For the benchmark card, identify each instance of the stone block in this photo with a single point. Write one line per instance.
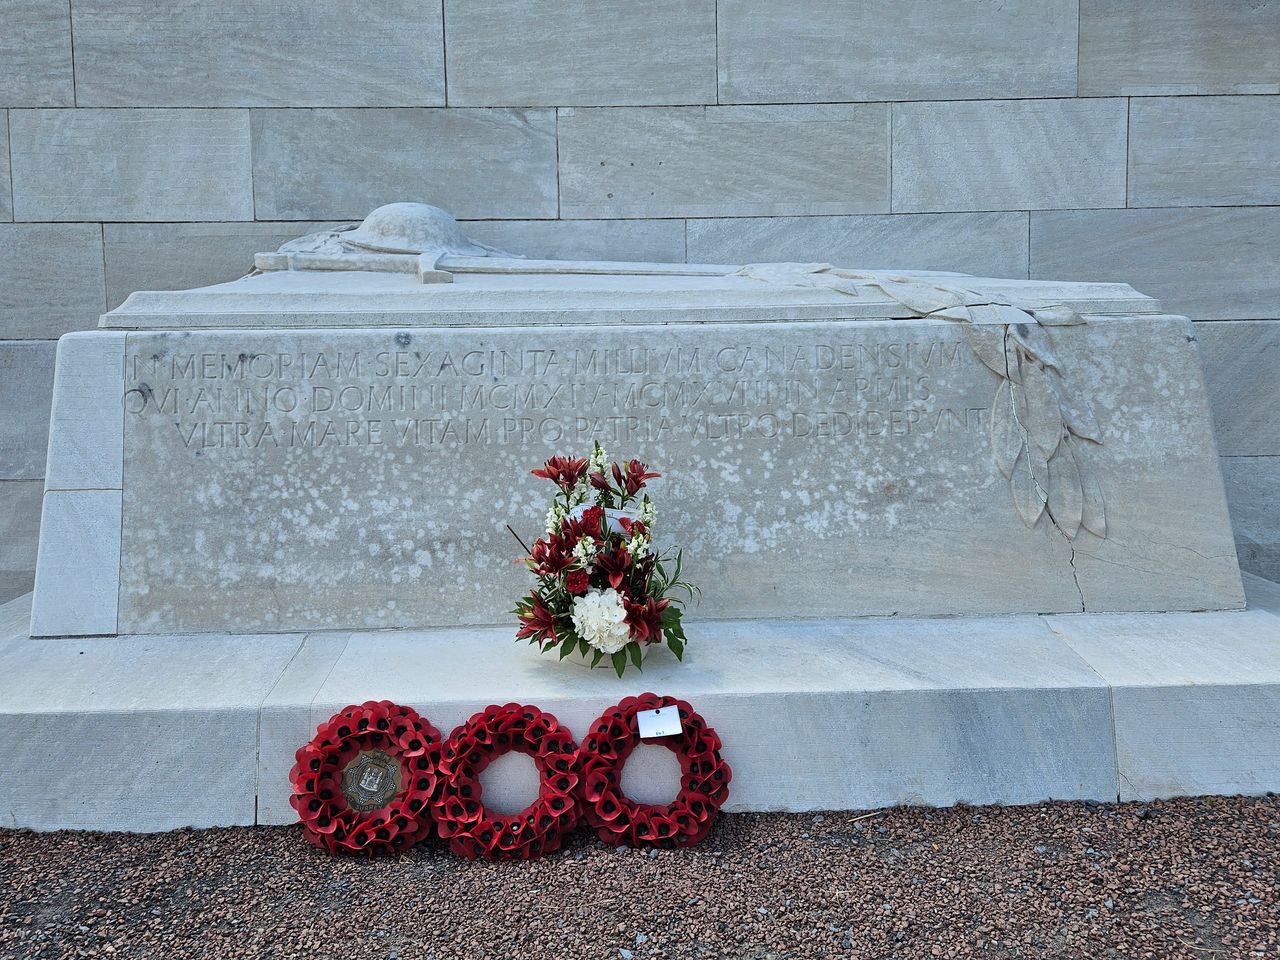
(649, 241)
(6, 186)
(986, 244)
(177, 256)
(1204, 151)
(285, 721)
(974, 711)
(1210, 264)
(1008, 155)
(1241, 363)
(318, 164)
(317, 54)
(558, 53)
(131, 164)
(724, 161)
(26, 386)
(19, 535)
(351, 436)
(820, 50)
(1178, 47)
(78, 566)
(168, 725)
(1194, 696)
(51, 275)
(87, 420)
(35, 48)
(1253, 497)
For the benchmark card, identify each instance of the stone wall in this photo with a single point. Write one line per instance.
(159, 146)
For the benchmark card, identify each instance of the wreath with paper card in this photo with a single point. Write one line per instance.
(704, 780)
(364, 783)
(461, 816)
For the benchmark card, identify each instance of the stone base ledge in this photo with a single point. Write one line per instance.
(161, 732)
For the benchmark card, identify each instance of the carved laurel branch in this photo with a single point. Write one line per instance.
(1039, 425)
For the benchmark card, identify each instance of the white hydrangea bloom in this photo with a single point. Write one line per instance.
(600, 619)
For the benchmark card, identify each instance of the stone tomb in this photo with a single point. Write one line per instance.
(343, 448)
(960, 539)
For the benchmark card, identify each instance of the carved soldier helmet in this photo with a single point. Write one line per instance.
(411, 228)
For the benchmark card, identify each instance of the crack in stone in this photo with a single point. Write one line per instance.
(1044, 494)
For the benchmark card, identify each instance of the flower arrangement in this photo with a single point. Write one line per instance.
(601, 590)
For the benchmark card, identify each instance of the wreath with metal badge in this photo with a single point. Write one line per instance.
(704, 781)
(365, 781)
(474, 831)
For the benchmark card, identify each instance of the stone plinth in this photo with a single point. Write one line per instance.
(343, 450)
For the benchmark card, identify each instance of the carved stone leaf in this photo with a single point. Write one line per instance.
(921, 297)
(1011, 314)
(1044, 416)
(1006, 434)
(1077, 413)
(953, 313)
(1027, 495)
(1066, 497)
(1039, 465)
(985, 313)
(1057, 316)
(987, 343)
(1012, 359)
(1036, 341)
(1093, 512)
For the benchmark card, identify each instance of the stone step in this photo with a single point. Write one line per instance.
(160, 732)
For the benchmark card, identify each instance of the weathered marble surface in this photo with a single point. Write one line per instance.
(51, 275)
(164, 164)
(35, 48)
(1178, 48)
(26, 371)
(1204, 151)
(178, 256)
(6, 187)
(77, 567)
(1253, 497)
(807, 50)
(19, 534)
(581, 52)
(1008, 155)
(1188, 718)
(734, 161)
(362, 505)
(322, 53)
(87, 422)
(995, 244)
(314, 164)
(1210, 264)
(150, 716)
(1241, 363)
(994, 710)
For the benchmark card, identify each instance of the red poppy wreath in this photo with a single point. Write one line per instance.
(461, 817)
(365, 782)
(704, 781)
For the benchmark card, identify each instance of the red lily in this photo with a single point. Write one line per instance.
(565, 472)
(636, 476)
(645, 619)
(550, 555)
(613, 565)
(537, 621)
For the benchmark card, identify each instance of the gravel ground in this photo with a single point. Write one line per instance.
(1196, 878)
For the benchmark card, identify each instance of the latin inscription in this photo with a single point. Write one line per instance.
(354, 397)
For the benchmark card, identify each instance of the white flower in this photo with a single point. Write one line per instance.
(599, 459)
(585, 550)
(647, 513)
(600, 619)
(638, 546)
(554, 517)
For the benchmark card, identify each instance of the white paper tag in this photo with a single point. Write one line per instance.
(663, 722)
